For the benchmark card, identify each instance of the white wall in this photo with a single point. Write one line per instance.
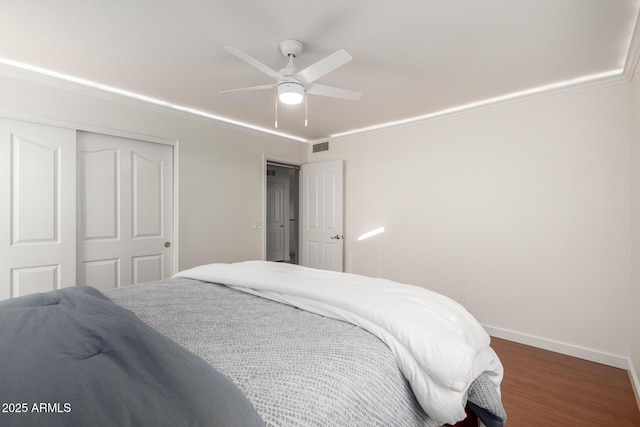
(220, 168)
(524, 206)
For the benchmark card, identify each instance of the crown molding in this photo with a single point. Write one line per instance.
(48, 78)
(609, 78)
(633, 52)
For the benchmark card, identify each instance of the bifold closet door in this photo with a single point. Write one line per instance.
(37, 208)
(125, 211)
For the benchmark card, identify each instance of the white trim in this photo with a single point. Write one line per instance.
(84, 127)
(266, 158)
(176, 208)
(560, 347)
(263, 203)
(633, 52)
(635, 382)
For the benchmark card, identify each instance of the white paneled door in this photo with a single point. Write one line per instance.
(37, 208)
(321, 191)
(125, 211)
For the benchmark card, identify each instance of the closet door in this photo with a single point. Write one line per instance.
(37, 208)
(125, 216)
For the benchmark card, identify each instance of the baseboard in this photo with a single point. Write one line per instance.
(635, 382)
(563, 348)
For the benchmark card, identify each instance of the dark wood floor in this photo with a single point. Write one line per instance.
(543, 388)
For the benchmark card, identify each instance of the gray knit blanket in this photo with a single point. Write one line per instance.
(296, 367)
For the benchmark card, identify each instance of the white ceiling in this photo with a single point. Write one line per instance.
(411, 57)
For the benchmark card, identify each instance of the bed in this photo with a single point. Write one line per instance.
(253, 343)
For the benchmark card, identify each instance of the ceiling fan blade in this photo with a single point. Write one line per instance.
(324, 66)
(333, 92)
(254, 62)
(251, 88)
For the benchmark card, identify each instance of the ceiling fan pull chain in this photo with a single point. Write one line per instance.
(305, 110)
(276, 111)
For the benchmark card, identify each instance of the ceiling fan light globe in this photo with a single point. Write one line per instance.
(290, 98)
(290, 93)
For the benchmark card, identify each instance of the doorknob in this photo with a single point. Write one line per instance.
(167, 244)
(337, 236)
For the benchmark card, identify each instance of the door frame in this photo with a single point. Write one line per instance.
(263, 220)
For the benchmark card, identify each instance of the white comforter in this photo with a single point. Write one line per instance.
(439, 346)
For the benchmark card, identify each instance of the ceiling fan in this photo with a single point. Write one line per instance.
(292, 84)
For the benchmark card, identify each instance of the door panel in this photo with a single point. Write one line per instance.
(100, 194)
(147, 195)
(101, 274)
(147, 268)
(28, 280)
(37, 208)
(322, 243)
(126, 210)
(34, 183)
